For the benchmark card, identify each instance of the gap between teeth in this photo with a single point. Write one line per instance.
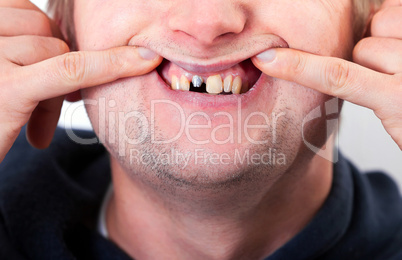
(214, 85)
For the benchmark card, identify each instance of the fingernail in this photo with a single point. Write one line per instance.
(146, 54)
(267, 56)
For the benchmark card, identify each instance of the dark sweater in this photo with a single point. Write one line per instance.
(50, 200)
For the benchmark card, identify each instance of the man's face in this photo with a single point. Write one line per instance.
(150, 128)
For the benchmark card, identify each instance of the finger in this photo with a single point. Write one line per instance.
(21, 4)
(73, 71)
(390, 3)
(380, 54)
(332, 76)
(27, 49)
(8, 137)
(387, 23)
(15, 22)
(27, 5)
(43, 122)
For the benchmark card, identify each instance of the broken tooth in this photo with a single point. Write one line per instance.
(184, 83)
(214, 84)
(227, 84)
(197, 81)
(175, 83)
(236, 87)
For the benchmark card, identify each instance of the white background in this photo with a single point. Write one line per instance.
(362, 138)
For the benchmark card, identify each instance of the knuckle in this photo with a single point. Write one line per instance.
(357, 50)
(51, 45)
(378, 22)
(363, 47)
(40, 23)
(55, 45)
(114, 59)
(12, 3)
(299, 64)
(36, 42)
(362, 44)
(337, 77)
(72, 67)
(61, 45)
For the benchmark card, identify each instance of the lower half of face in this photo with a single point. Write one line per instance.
(207, 116)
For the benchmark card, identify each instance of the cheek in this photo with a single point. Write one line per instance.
(108, 105)
(124, 110)
(320, 27)
(330, 34)
(98, 27)
(306, 111)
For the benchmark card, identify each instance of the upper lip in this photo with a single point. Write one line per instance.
(204, 66)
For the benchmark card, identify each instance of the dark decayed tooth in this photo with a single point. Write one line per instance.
(202, 89)
(197, 81)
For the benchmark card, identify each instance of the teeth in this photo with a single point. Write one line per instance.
(197, 81)
(237, 83)
(184, 83)
(214, 84)
(175, 83)
(227, 84)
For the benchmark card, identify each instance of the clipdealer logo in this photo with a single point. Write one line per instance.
(202, 157)
(331, 113)
(238, 127)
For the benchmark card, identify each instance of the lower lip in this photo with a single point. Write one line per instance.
(205, 102)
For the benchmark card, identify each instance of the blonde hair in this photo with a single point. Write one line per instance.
(363, 9)
(62, 13)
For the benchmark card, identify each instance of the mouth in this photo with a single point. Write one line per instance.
(229, 79)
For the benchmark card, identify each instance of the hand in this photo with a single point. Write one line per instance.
(376, 83)
(37, 70)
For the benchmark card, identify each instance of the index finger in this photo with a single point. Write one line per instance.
(73, 71)
(22, 4)
(25, 4)
(332, 76)
(390, 3)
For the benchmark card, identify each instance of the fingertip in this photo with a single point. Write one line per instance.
(63, 46)
(267, 56)
(43, 123)
(260, 65)
(149, 56)
(138, 60)
(157, 61)
(360, 49)
(149, 60)
(269, 61)
(36, 138)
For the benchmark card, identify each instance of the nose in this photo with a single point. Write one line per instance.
(207, 20)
